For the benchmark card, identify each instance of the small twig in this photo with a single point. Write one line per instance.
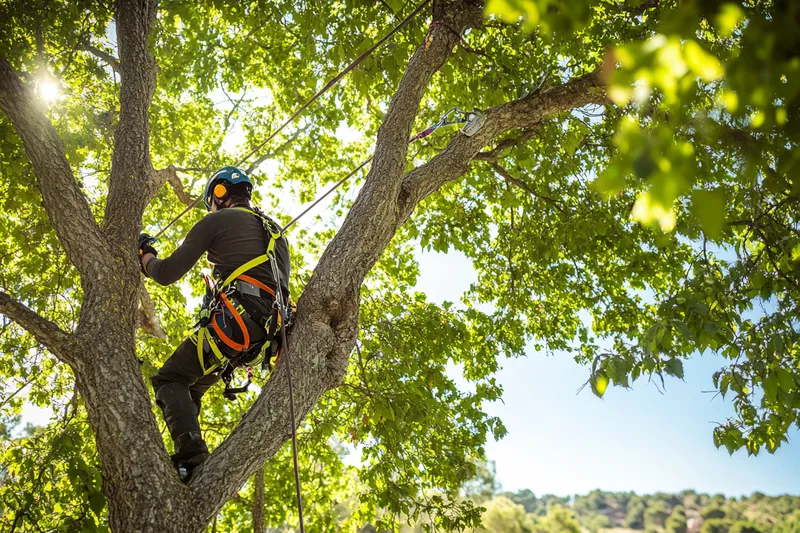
(279, 150)
(506, 144)
(112, 61)
(524, 186)
(16, 392)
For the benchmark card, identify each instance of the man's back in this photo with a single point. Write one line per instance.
(232, 237)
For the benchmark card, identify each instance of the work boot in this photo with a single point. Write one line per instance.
(190, 452)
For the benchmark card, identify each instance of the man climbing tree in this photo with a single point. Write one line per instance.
(237, 323)
(629, 198)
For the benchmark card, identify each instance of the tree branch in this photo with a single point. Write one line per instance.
(526, 112)
(525, 187)
(133, 180)
(279, 150)
(369, 226)
(112, 61)
(44, 331)
(258, 502)
(64, 202)
(506, 144)
(147, 319)
(170, 175)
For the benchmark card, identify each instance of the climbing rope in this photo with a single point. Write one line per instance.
(310, 101)
(285, 349)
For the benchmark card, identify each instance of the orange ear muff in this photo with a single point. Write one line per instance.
(220, 190)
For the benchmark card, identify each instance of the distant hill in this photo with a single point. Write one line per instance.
(627, 512)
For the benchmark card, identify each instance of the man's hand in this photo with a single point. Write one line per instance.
(146, 251)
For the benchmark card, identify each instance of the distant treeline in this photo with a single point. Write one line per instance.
(685, 512)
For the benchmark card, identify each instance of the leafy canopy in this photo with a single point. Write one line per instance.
(630, 236)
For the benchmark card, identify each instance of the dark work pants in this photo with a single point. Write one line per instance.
(179, 387)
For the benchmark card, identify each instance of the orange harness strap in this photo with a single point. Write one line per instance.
(224, 338)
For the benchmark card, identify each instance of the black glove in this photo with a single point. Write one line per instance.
(145, 247)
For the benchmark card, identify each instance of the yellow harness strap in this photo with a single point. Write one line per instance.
(274, 236)
(202, 334)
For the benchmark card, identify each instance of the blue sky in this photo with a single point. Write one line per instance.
(565, 443)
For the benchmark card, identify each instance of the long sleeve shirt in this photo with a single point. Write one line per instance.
(231, 238)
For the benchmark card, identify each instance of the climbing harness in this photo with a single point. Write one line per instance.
(223, 334)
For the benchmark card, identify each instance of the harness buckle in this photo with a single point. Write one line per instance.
(227, 376)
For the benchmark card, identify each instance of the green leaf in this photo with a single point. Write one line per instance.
(682, 328)
(770, 385)
(97, 501)
(599, 383)
(395, 5)
(709, 208)
(511, 11)
(729, 16)
(674, 367)
(650, 209)
(703, 64)
(785, 380)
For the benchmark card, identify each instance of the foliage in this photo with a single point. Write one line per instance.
(676, 522)
(558, 520)
(669, 219)
(502, 515)
(716, 525)
(655, 514)
(634, 518)
(717, 514)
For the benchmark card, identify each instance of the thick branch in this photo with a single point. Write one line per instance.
(132, 177)
(112, 61)
(526, 112)
(170, 175)
(44, 331)
(369, 225)
(64, 202)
